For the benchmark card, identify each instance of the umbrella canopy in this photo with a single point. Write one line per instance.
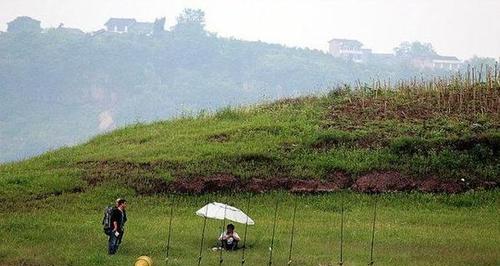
(223, 211)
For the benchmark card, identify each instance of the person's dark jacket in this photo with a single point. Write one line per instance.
(119, 217)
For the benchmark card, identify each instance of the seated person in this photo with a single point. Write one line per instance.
(229, 239)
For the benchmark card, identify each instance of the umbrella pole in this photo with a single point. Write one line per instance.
(222, 246)
(373, 230)
(245, 235)
(274, 229)
(293, 231)
(170, 227)
(341, 262)
(203, 235)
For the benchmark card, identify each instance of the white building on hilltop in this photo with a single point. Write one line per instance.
(119, 25)
(446, 62)
(348, 49)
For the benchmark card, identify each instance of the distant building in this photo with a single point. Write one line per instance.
(437, 62)
(353, 50)
(446, 62)
(349, 49)
(119, 25)
(130, 25)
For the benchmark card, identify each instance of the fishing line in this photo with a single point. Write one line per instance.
(293, 231)
(341, 262)
(373, 230)
(172, 201)
(245, 234)
(272, 239)
(203, 234)
(221, 243)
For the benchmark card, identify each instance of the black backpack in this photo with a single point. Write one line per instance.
(106, 220)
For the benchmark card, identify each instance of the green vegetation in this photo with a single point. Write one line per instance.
(416, 229)
(51, 205)
(56, 83)
(447, 132)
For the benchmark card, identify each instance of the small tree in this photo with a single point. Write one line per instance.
(190, 21)
(24, 25)
(477, 62)
(415, 49)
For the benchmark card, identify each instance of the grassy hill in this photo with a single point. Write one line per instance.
(416, 136)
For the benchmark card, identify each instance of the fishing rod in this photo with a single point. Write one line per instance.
(274, 229)
(221, 243)
(172, 201)
(245, 234)
(373, 230)
(293, 231)
(341, 262)
(203, 234)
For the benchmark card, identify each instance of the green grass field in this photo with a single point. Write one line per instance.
(411, 229)
(51, 205)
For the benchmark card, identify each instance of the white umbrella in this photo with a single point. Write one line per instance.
(220, 211)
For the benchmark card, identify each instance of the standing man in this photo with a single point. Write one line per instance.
(118, 219)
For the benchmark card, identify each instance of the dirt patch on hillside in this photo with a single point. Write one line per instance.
(143, 179)
(227, 182)
(435, 185)
(390, 181)
(373, 182)
(342, 179)
(377, 182)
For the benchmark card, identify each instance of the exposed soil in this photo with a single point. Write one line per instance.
(142, 178)
(435, 185)
(373, 182)
(199, 185)
(341, 179)
(377, 182)
(226, 182)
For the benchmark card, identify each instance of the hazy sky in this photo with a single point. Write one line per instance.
(455, 27)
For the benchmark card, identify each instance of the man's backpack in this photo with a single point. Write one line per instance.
(106, 220)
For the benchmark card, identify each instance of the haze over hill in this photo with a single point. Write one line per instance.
(61, 85)
(455, 27)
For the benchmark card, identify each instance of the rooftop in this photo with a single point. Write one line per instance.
(120, 21)
(443, 57)
(346, 41)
